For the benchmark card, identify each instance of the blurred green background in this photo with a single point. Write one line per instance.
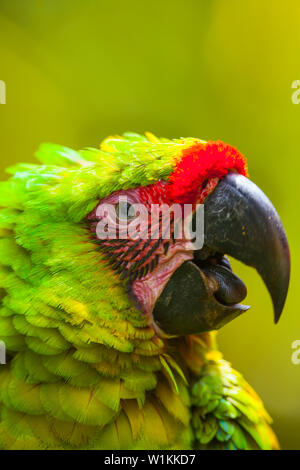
(77, 71)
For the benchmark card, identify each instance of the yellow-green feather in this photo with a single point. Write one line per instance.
(85, 368)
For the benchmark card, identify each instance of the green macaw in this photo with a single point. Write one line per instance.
(110, 342)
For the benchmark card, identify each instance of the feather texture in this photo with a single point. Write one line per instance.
(88, 371)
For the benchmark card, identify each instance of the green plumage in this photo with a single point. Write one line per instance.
(86, 370)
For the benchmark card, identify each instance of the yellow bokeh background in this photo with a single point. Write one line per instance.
(77, 71)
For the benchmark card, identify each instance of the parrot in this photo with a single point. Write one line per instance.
(111, 341)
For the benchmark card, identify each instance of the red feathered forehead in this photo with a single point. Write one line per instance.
(199, 168)
(196, 174)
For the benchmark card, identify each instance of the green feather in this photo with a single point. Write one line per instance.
(81, 405)
(88, 370)
(51, 154)
(24, 397)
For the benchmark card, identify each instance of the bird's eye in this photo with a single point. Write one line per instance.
(124, 211)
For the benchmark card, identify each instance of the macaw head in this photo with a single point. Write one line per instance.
(179, 284)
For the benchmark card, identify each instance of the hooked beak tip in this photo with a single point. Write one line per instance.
(235, 204)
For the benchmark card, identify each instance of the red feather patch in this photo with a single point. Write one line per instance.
(199, 169)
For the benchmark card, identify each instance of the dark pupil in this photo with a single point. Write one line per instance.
(122, 210)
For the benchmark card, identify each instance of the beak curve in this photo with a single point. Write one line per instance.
(239, 221)
(242, 222)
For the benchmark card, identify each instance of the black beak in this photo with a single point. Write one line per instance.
(204, 294)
